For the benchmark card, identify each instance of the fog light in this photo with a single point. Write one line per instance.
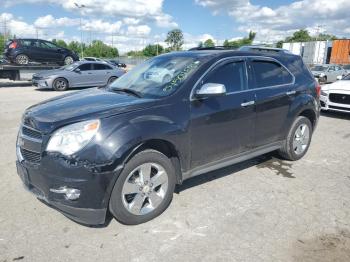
(69, 193)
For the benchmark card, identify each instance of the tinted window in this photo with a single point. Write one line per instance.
(101, 67)
(85, 67)
(269, 73)
(48, 45)
(27, 43)
(231, 75)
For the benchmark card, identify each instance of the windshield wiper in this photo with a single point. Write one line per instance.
(128, 91)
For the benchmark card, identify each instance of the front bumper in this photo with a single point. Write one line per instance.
(42, 83)
(327, 105)
(52, 173)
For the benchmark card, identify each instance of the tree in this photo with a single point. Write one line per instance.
(175, 39)
(2, 43)
(325, 37)
(241, 42)
(209, 43)
(301, 35)
(152, 50)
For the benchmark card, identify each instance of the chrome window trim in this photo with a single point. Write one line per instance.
(242, 58)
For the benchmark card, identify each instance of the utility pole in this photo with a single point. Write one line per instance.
(81, 30)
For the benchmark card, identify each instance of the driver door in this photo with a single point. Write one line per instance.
(84, 76)
(222, 126)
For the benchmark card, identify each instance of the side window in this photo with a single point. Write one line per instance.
(27, 43)
(232, 75)
(101, 67)
(270, 73)
(85, 67)
(47, 45)
(331, 69)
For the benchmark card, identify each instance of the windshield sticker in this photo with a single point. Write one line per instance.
(180, 77)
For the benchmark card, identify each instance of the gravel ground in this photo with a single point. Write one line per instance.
(264, 209)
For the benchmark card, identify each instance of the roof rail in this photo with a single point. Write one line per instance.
(218, 47)
(263, 49)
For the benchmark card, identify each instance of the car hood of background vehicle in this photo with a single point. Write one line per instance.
(338, 85)
(82, 105)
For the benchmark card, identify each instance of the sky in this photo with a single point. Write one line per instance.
(132, 24)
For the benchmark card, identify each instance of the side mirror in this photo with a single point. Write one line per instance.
(77, 70)
(211, 89)
(339, 77)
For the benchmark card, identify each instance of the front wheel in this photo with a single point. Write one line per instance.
(60, 84)
(111, 80)
(144, 189)
(298, 139)
(68, 60)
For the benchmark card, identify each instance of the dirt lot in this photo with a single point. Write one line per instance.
(260, 210)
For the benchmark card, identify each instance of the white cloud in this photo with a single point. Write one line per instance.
(18, 27)
(102, 26)
(145, 10)
(49, 21)
(131, 21)
(140, 30)
(276, 23)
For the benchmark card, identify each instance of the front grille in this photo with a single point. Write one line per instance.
(30, 156)
(339, 108)
(29, 143)
(340, 98)
(30, 132)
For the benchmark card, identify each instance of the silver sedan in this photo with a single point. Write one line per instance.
(79, 74)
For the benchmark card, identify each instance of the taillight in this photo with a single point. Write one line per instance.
(13, 45)
(318, 89)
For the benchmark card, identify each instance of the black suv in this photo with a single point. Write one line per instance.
(123, 148)
(23, 51)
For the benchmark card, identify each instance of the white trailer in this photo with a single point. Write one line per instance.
(316, 52)
(295, 48)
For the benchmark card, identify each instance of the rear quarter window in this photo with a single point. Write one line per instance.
(270, 73)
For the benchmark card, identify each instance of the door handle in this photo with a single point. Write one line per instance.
(291, 93)
(250, 103)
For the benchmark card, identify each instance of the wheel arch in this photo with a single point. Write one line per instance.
(163, 146)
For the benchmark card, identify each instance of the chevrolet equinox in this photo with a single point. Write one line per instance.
(123, 148)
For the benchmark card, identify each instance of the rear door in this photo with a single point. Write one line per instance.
(275, 92)
(223, 126)
(102, 73)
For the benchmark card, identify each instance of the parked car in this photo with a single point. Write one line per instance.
(123, 148)
(116, 63)
(24, 51)
(79, 74)
(161, 74)
(336, 96)
(327, 73)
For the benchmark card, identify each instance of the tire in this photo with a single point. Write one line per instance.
(146, 201)
(297, 144)
(68, 60)
(60, 84)
(22, 59)
(323, 80)
(111, 80)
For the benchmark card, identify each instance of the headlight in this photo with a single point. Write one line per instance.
(323, 93)
(70, 139)
(322, 74)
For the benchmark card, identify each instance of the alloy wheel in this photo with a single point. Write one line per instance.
(60, 84)
(301, 139)
(68, 60)
(145, 188)
(22, 59)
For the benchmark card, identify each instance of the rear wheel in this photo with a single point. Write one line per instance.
(22, 59)
(144, 189)
(298, 139)
(111, 80)
(60, 84)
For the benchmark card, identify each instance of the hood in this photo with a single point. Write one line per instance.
(317, 72)
(343, 85)
(82, 105)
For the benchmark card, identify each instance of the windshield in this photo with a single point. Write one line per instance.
(346, 67)
(319, 68)
(158, 77)
(69, 67)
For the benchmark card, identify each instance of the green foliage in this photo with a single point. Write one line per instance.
(324, 37)
(135, 53)
(241, 42)
(152, 50)
(74, 46)
(60, 43)
(301, 35)
(209, 43)
(2, 44)
(99, 49)
(175, 39)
